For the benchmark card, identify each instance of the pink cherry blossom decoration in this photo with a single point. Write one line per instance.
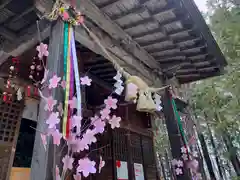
(115, 122)
(111, 103)
(89, 137)
(179, 163)
(105, 113)
(95, 118)
(80, 145)
(50, 103)
(76, 121)
(67, 162)
(53, 82)
(99, 126)
(42, 50)
(57, 136)
(178, 171)
(86, 166)
(86, 81)
(53, 120)
(185, 157)
(101, 164)
(183, 150)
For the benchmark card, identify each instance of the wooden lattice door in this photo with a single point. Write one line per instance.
(10, 120)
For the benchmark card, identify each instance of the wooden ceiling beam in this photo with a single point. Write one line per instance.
(20, 15)
(197, 18)
(4, 3)
(136, 10)
(8, 34)
(117, 33)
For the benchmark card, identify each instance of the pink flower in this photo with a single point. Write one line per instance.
(45, 76)
(95, 118)
(179, 163)
(73, 103)
(86, 81)
(81, 145)
(111, 103)
(77, 177)
(76, 121)
(185, 157)
(115, 122)
(50, 104)
(67, 162)
(183, 150)
(53, 120)
(101, 164)
(65, 16)
(86, 166)
(89, 137)
(57, 136)
(99, 126)
(44, 140)
(42, 50)
(53, 82)
(178, 171)
(193, 165)
(105, 113)
(63, 84)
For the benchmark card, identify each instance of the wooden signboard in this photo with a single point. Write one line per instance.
(20, 174)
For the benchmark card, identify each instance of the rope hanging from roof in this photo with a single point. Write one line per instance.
(137, 90)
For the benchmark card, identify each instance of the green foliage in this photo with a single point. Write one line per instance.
(219, 95)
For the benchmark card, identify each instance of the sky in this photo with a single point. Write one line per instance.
(201, 5)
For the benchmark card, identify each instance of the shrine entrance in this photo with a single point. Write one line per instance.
(10, 120)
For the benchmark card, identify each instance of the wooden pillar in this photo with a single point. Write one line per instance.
(43, 165)
(173, 132)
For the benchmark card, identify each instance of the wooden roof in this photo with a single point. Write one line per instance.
(172, 32)
(165, 35)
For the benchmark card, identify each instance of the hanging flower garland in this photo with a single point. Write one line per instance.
(77, 135)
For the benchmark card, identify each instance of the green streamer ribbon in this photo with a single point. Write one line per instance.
(179, 121)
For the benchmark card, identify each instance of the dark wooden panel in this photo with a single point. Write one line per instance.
(149, 158)
(10, 120)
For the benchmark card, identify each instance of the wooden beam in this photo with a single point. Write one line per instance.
(99, 66)
(20, 15)
(23, 43)
(155, 41)
(8, 34)
(4, 3)
(121, 56)
(136, 10)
